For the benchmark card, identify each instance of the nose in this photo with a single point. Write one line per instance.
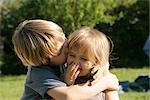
(76, 62)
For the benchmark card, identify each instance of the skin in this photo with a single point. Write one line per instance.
(81, 61)
(61, 58)
(80, 65)
(82, 91)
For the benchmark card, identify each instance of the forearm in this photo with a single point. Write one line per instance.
(58, 93)
(85, 92)
(112, 95)
(78, 92)
(74, 92)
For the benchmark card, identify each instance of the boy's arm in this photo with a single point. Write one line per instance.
(111, 95)
(77, 92)
(74, 92)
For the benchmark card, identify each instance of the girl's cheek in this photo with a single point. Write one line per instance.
(84, 65)
(87, 65)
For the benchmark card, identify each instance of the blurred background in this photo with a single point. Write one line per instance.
(126, 22)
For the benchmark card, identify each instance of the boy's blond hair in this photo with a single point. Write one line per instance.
(36, 41)
(91, 42)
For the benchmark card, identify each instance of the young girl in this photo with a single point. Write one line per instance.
(87, 48)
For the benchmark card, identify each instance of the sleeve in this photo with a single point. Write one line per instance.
(44, 79)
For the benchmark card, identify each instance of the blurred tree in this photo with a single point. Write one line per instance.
(9, 63)
(129, 35)
(69, 14)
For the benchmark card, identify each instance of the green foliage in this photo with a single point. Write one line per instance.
(12, 65)
(69, 14)
(129, 35)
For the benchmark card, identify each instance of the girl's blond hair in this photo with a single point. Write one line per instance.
(36, 41)
(93, 43)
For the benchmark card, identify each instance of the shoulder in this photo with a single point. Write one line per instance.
(41, 69)
(42, 72)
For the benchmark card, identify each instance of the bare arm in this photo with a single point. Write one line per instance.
(74, 92)
(77, 92)
(111, 95)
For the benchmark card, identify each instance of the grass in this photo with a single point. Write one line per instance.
(130, 75)
(11, 87)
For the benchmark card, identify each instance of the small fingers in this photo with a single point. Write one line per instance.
(98, 74)
(71, 68)
(75, 72)
(94, 70)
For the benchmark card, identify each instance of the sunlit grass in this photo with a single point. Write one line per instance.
(135, 96)
(11, 87)
(129, 74)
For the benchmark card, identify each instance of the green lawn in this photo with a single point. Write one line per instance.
(11, 87)
(130, 75)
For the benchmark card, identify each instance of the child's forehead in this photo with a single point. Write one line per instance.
(77, 50)
(80, 46)
(74, 49)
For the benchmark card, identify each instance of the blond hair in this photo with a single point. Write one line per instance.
(36, 41)
(93, 43)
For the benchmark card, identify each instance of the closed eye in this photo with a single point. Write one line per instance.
(71, 55)
(85, 59)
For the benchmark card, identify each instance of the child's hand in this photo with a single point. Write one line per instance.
(71, 74)
(98, 72)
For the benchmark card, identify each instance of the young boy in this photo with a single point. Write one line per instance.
(87, 48)
(39, 45)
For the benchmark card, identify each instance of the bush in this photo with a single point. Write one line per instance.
(69, 14)
(129, 35)
(15, 68)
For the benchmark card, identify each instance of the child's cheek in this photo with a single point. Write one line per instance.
(69, 61)
(88, 65)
